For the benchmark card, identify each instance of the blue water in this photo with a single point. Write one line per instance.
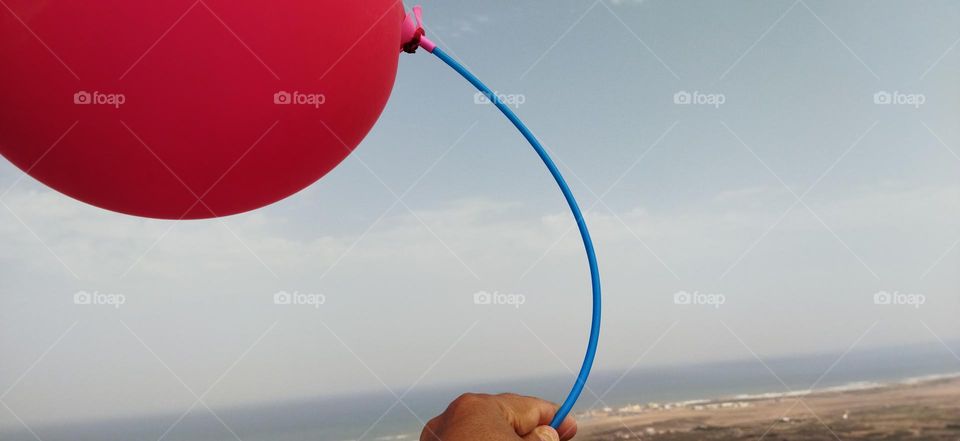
(376, 417)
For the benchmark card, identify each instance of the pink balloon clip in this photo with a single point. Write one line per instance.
(412, 34)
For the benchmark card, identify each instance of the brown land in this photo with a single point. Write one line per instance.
(928, 410)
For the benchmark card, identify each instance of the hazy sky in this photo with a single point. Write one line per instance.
(796, 198)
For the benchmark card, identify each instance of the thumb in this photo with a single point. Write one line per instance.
(542, 433)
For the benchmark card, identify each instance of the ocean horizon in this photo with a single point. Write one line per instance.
(380, 417)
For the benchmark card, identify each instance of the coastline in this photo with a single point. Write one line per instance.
(926, 407)
(677, 420)
(911, 407)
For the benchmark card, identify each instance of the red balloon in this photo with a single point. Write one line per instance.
(186, 109)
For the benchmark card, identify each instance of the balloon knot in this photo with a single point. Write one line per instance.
(412, 34)
(414, 43)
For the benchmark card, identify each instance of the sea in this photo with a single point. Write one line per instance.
(381, 417)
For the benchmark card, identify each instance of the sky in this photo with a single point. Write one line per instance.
(761, 178)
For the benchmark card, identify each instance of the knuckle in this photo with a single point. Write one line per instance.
(467, 399)
(431, 429)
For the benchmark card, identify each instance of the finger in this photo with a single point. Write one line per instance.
(542, 433)
(568, 429)
(527, 413)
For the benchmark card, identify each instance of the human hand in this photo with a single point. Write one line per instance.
(504, 417)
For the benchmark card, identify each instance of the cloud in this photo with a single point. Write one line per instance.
(199, 292)
(462, 26)
(99, 245)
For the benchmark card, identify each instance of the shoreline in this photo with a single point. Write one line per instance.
(903, 408)
(927, 405)
(736, 400)
(615, 424)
